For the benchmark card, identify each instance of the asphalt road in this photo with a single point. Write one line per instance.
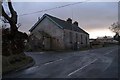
(96, 63)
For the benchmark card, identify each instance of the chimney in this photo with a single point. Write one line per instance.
(75, 23)
(69, 20)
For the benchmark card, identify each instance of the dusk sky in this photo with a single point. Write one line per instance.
(93, 17)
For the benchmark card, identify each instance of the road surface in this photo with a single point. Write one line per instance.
(96, 63)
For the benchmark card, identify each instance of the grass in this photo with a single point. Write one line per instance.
(17, 65)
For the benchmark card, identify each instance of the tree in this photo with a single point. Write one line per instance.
(13, 19)
(13, 43)
(115, 27)
(13, 40)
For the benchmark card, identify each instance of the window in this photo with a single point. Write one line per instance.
(64, 33)
(86, 39)
(70, 35)
(81, 39)
(76, 37)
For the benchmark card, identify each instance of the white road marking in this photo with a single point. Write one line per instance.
(109, 52)
(39, 52)
(81, 67)
(33, 68)
(53, 62)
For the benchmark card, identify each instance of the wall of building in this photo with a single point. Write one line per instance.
(53, 30)
(35, 42)
(60, 38)
(77, 41)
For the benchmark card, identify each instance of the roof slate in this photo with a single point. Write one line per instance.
(63, 24)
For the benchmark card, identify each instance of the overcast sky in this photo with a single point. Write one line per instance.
(93, 17)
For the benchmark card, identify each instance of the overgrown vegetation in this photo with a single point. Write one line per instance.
(13, 56)
(115, 27)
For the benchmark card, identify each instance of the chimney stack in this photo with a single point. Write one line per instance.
(69, 20)
(75, 23)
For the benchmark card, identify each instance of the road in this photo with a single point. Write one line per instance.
(96, 63)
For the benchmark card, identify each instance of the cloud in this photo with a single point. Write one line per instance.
(90, 15)
(64, 0)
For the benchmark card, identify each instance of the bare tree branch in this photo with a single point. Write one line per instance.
(115, 27)
(10, 7)
(13, 12)
(13, 19)
(5, 15)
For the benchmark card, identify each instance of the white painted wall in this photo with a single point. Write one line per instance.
(49, 27)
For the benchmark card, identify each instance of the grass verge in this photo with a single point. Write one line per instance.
(10, 64)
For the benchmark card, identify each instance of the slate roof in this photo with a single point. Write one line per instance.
(61, 23)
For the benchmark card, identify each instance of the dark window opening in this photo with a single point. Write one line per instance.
(70, 35)
(76, 37)
(86, 39)
(81, 39)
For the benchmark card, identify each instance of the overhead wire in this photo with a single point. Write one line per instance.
(52, 8)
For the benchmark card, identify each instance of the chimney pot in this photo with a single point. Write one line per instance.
(75, 23)
(69, 20)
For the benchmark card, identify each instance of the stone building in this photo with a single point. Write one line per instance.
(51, 33)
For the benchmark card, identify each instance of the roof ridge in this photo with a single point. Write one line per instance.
(72, 25)
(54, 17)
(63, 24)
